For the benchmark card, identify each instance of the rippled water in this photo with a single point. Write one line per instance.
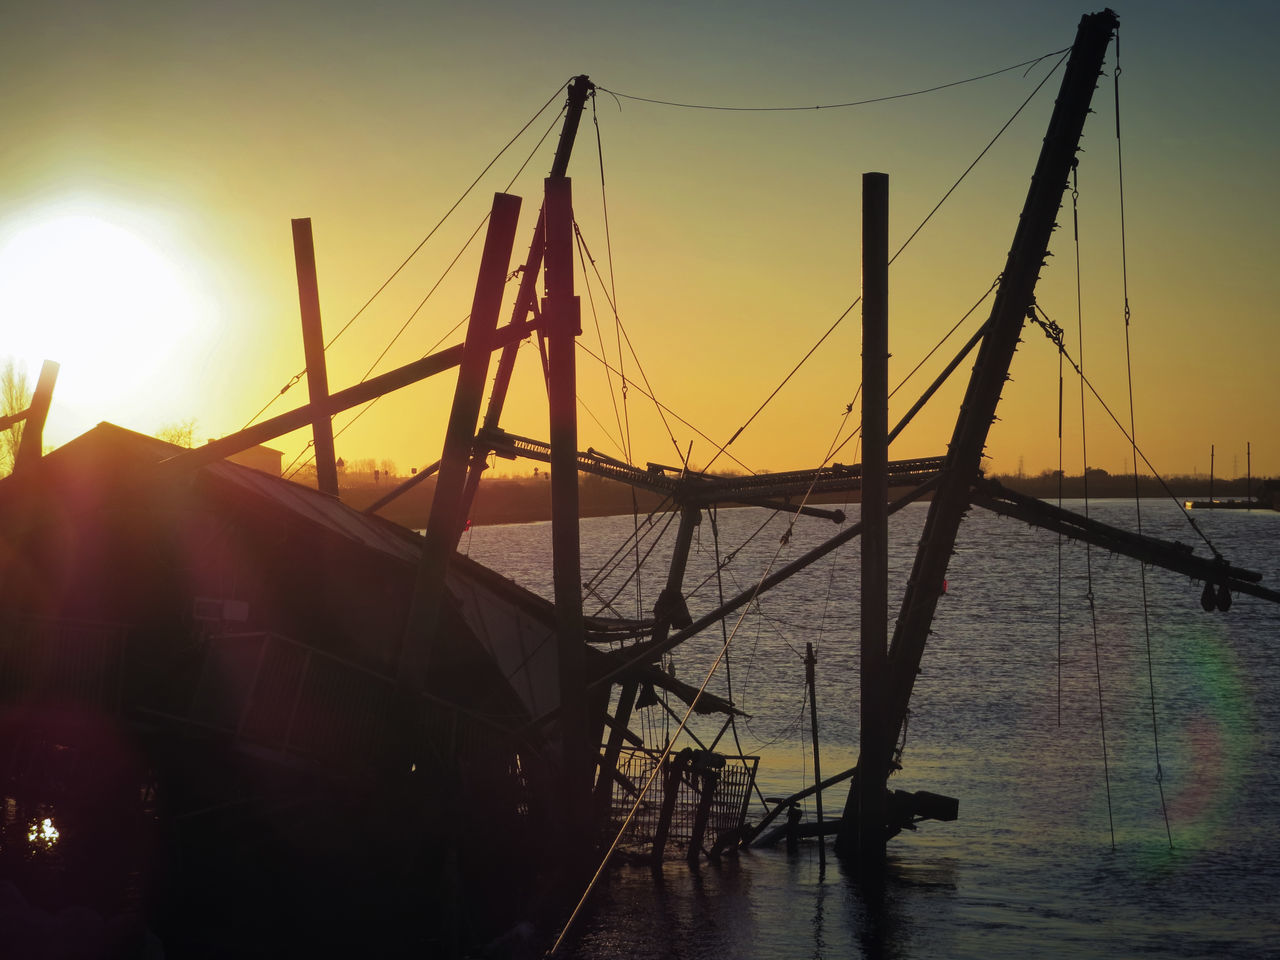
(1005, 717)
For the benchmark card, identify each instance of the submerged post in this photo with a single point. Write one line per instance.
(560, 313)
(304, 256)
(31, 446)
(810, 661)
(862, 832)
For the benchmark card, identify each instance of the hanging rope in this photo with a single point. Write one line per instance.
(904, 246)
(713, 516)
(1029, 64)
(670, 741)
(1088, 549)
(1133, 433)
(364, 409)
(1037, 315)
(666, 410)
(623, 444)
(613, 287)
(1061, 353)
(648, 391)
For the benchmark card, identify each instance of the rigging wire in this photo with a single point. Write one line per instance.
(607, 568)
(713, 516)
(671, 515)
(662, 407)
(661, 760)
(1088, 548)
(648, 391)
(914, 370)
(1061, 353)
(893, 258)
(603, 429)
(1029, 64)
(423, 242)
(435, 286)
(1133, 433)
(366, 408)
(613, 287)
(623, 445)
(1054, 333)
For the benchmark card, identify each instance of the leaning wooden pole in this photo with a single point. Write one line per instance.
(991, 368)
(31, 446)
(579, 89)
(446, 517)
(862, 830)
(304, 255)
(560, 311)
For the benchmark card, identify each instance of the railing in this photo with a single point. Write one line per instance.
(695, 801)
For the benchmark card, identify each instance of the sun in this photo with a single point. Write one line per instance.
(91, 290)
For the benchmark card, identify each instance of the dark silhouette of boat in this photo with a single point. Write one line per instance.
(242, 717)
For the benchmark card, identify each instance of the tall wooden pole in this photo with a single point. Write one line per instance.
(579, 89)
(991, 368)
(31, 446)
(863, 828)
(561, 311)
(304, 256)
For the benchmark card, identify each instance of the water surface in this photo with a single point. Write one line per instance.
(1029, 640)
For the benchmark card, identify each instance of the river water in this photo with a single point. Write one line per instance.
(1063, 848)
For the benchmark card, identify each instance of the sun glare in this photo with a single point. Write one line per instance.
(104, 301)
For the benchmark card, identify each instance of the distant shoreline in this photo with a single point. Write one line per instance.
(528, 499)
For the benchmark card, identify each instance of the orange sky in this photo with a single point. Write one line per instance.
(154, 154)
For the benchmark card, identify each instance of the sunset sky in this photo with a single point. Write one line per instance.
(153, 154)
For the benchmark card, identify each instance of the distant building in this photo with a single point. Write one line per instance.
(263, 458)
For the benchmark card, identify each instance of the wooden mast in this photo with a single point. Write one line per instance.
(1013, 299)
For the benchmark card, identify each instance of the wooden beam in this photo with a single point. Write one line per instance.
(31, 447)
(370, 389)
(304, 257)
(1003, 330)
(445, 522)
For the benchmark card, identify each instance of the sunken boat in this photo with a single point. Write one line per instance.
(239, 716)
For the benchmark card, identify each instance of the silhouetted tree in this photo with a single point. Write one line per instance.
(182, 433)
(15, 396)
